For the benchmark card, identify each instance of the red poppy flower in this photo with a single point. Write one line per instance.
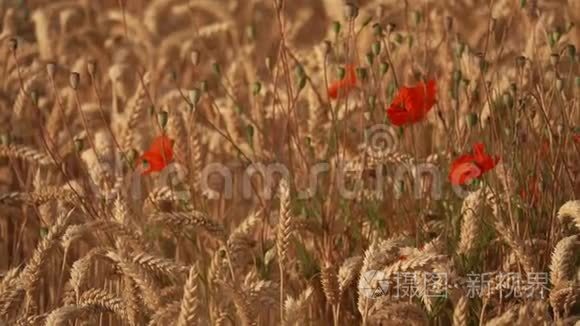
(411, 104)
(471, 166)
(160, 153)
(345, 85)
(576, 138)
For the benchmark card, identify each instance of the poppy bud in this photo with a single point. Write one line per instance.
(216, 68)
(336, 27)
(299, 71)
(79, 144)
(384, 68)
(132, 156)
(571, 49)
(173, 75)
(457, 75)
(195, 57)
(4, 139)
(554, 59)
(377, 30)
(523, 3)
(92, 67)
(376, 47)
(559, 84)
(13, 44)
(327, 47)
(43, 232)
(416, 15)
(391, 27)
(203, 86)
(472, 119)
(162, 117)
(362, 73)
(194, 96)
(34, 97)
(520, 61)
(370, 57)
(508, 100)
(251, 32)
(301, 83)
(74, 80)
(399, 38)
(513, 88)
(554, 37)
(51, 69)
(256, 88)
(350, 11)
(448, 23)
(250, 133)
(341, 72)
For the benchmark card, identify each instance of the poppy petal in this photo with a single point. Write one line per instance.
(464, 173)
(397, 116)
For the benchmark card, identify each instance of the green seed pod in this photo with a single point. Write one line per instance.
(521, 61)
(416, 15)
(79, 144)
(376, 48)
(399, 38)
(301, 83)
(216, 68)
(336, 27)
(377, 30)
(162, 118)
(577, 81)
(299, 71)
(203, 86)
(384, 68)
(251, 32)
(457, 75)
(370, 57)
(508, 100)
(523, 3)
(513, 88)
(362, 73)
(256, 88)
(74, 80)
(132, 156)
(34, 97)
(472, 119)
(571, 50)
(341, 72)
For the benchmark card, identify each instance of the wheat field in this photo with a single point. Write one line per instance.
(289, 162)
